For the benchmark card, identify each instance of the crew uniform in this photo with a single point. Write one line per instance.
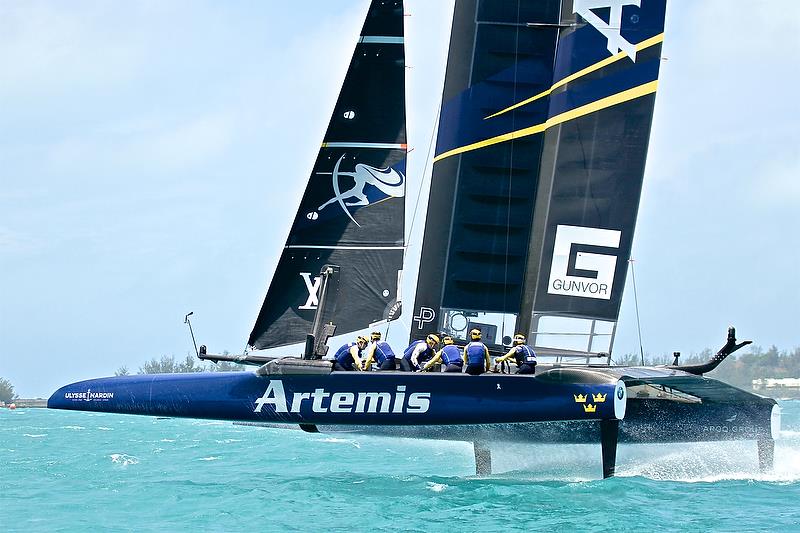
(418, 352)
(450, 355)
(380, 352)
(476, 355)
(348, 357)
(523, 355)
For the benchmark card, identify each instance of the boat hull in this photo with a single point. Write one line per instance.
(350, 398)
(553, 407)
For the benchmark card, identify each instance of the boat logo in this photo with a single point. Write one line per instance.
(731, 419)
(620, 392)
(426, 315)
(387, 181)
(589, 408)
(321, 401)
(313, 290)
(579, 268)
(611, 30)
(89, 396)
(580, 398)
(599, 397)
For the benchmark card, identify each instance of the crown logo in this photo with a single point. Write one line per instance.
(580, 398)
(589, 408)
(599, 398)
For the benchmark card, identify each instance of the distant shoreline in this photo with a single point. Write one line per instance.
(26, 403)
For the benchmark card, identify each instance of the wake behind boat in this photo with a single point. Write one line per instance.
(536, 180)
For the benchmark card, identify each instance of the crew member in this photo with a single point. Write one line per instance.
(348, 357)
(418, 352)
(450, 355)
(476, 354)
(380, 352)
(523, 355)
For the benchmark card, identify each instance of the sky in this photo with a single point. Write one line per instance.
(153, 154)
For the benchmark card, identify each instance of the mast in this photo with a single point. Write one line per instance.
(352, 212)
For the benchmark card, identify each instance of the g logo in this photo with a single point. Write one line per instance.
(578, 268)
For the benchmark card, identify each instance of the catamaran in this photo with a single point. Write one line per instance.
(537, 172)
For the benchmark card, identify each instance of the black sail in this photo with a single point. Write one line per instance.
(352, 212)
(541, 147)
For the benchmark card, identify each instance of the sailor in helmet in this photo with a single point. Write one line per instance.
(380, 352)
(450, 355)
(418, 352)
(476, 354)
(348, 357)
(523, 355)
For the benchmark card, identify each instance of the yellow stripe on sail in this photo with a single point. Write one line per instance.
(647, 43)
(603, 103)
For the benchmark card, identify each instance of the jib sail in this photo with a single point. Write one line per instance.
(539, 162)
(352, 212)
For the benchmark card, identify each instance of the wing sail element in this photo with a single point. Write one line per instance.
(539, 162)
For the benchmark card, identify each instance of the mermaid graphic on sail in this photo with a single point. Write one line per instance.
(387, 180)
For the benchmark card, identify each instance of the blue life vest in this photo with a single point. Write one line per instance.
(451, 355)
(524, 354)
(383, 352)
(344, 357)
(423, 356)
(476, 353)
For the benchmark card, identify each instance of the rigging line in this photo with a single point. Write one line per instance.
(419, 191)
(510, 178)
(636, 302)
(424, 173)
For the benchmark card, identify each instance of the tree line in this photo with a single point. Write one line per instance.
(167, 364)
(738, 370)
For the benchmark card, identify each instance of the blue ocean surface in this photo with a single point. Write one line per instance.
(73, 471)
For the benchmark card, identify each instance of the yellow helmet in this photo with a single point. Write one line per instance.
(519, 338)
(376, 335)
(433, 338)
(361, 340)
(447, 339)
(475, 334)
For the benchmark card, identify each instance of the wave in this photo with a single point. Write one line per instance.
(124, 459)
(436, 487)
(336, 440)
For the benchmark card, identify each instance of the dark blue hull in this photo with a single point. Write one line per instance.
(555, 406)
(348, 398)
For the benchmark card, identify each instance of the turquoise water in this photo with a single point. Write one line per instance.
(71, 471)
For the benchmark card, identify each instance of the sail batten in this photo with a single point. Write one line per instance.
(352, 213)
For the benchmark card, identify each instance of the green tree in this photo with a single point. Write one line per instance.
(190, 365)
(226, 366)
(122, 371)
(168, 365)
(165, 365)
(7, 393)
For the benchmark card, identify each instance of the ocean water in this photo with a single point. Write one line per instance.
(72, 471)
